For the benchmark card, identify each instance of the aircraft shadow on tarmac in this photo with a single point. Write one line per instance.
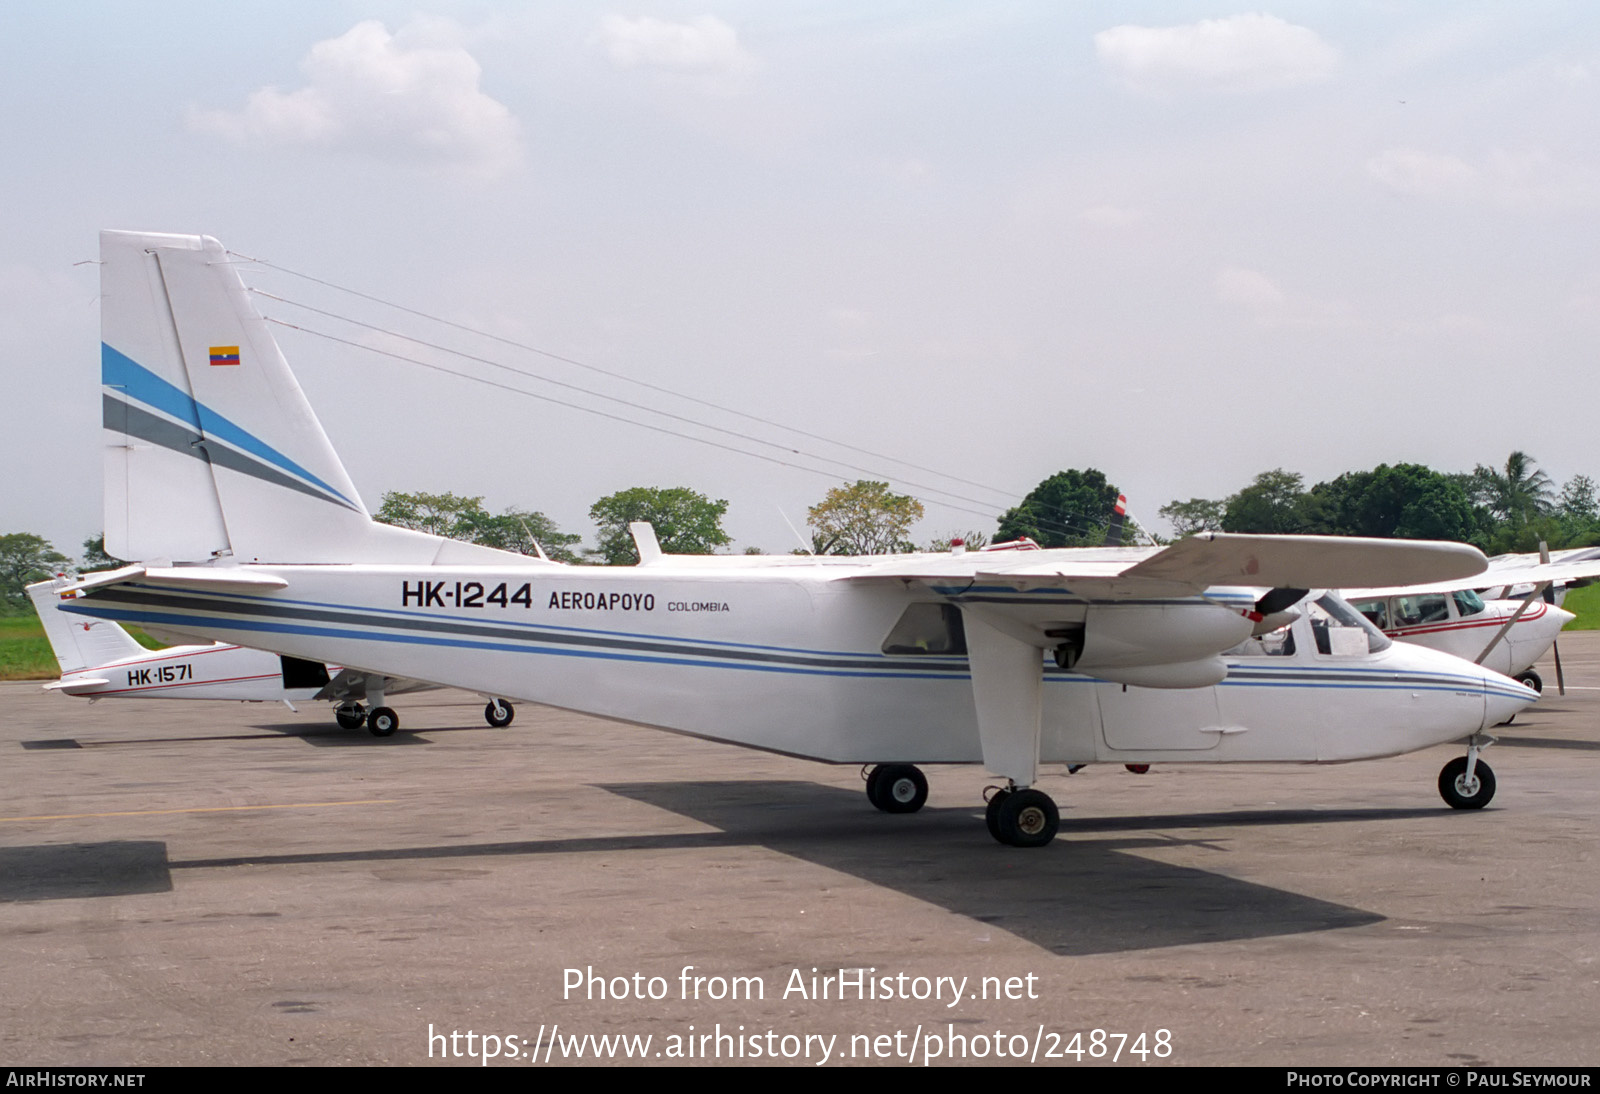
(1087, 893)
(68, 871)
(1078, 896)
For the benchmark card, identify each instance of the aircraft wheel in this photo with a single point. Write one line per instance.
(1137, 769)
(350, 717)
(897, 788)
(499, 713)
(382, 722)
(1530, 679)
(991, 813)
(1026, 818)
(1458, 793)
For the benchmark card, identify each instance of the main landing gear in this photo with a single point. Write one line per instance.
(1018, 817)
(896, 788)
(499, 713)
(1530, 679)
(1466, 782)
(380, 721)
(1022, 818)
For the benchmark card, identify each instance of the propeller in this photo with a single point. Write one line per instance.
(1550, 598)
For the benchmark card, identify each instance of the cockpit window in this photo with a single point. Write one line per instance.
(1376, 611)
(1341, 631)
(1468, 602)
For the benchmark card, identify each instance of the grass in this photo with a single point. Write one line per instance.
(25, 652)
(1586, 603)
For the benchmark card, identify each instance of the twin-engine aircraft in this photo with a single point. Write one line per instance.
(100, 660)
(219, 475)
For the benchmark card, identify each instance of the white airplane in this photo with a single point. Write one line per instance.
(215, 459)
(100, 660)
(1508, 635)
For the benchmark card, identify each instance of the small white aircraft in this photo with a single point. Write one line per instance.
(1189, 653)
(100, 660)
(1505, 634)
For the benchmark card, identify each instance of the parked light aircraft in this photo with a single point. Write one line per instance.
(1192, 652)
(1508, 635)
(100, 660)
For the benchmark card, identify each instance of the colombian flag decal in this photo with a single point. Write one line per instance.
(224, 355)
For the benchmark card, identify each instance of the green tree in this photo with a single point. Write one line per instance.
(1517, 494)
(447, 514)
(1274, 504)
(461, 517)
(1405, 501)
(864, 518)
(686, 522)
(95, 557)
(1579, 511)
(1194, 515)
(1069, 509)
(24, 559)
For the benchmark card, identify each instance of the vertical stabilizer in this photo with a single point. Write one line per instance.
(79, 642)
(212, 448)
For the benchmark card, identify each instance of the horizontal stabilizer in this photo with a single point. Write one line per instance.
(77, 686)
(205, 578)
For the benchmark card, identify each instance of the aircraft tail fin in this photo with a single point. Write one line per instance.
(212, 450)
(79, 642)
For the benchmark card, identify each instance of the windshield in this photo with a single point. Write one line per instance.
(1335, 615)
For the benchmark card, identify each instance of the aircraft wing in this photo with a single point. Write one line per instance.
(1519, 570)
(1192, 565)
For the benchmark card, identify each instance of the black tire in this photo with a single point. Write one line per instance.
(1138, 769)
(350, 717)
(503, 718)
(1027, 818)
(897, 788)
(382, 722)
(1530, 679)
(1457, 794)
(991, 813)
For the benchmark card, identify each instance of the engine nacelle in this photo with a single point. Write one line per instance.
(1168, 635)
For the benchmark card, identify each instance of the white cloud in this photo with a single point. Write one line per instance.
(1248, 287)
(412, 95)
(706, 44)
(1240, 53)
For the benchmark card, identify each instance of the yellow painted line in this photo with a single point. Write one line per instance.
(208, 809)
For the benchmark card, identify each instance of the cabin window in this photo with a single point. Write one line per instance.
(1414, 611)
(1468, 602)
(927, 628)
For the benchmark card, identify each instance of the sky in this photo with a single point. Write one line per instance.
(955, 246)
